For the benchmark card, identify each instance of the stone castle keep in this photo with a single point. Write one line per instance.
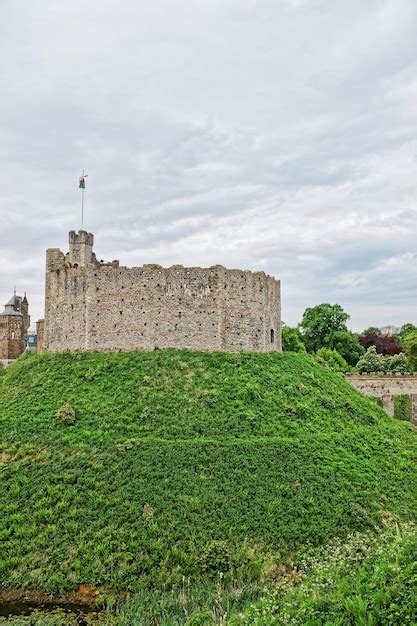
(92, 305)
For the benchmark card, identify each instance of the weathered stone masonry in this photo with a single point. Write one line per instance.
(92, 305)
(387, 387)
(14, 325)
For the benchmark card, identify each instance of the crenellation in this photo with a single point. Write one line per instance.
(105, 306)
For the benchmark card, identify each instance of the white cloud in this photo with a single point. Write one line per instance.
(264, 134)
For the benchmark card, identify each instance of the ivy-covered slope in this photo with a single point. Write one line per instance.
(187, 464)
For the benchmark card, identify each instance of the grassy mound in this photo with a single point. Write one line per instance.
(133, 470)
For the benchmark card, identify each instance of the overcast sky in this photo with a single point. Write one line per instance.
(275, 135)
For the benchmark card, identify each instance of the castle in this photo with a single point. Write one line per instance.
(92, 305)
(14, 326)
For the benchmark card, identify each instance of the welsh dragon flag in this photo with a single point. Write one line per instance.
(82, 182)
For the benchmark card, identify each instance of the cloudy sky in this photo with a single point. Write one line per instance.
(275, 135)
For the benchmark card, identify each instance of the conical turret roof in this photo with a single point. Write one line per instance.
(12, 301)
(9, 308)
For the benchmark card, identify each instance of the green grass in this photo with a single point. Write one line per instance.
(58, 617)
(368, 581)
(182, 465)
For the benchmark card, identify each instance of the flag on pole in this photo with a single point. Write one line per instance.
(82, 182)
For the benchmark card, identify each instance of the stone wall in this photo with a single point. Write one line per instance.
(387, 387)
(103, 306)
(40, 326)
(12, 337)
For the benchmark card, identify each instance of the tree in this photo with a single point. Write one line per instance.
(332, 359)
(372, 329)
(410, 344)
(406, 329)
(347, 345)
(371, 362)
(397, 364)
(291, 340)
(320, 322)
(384, 344)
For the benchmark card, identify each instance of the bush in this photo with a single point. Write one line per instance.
(347, 345)
(66, 414)
(371, 362)
(374, 363)
(368, 580)
(292, 340)
(332, 359)
(403, 408)
(397, 364)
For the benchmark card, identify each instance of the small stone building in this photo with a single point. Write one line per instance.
(93, 305)
(14, 326)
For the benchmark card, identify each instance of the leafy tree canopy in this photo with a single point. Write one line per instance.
(397, 364)
(373, 363)
(410, 344)
(320, 322)
(291, 340)
(384, 344)
(347, 345)
(406, 329)
(372, 329)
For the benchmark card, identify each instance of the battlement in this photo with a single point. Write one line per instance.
(80, 248)
(94, 305)
(82, 237)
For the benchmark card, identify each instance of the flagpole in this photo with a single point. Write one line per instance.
(82, 206)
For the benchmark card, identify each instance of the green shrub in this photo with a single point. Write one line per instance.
(292, 340)
(367, 580)
(332, 359)
(66, 414)
(372, 362)
(403, 408)
(397, 364)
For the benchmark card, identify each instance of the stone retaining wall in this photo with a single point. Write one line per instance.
(387, 387)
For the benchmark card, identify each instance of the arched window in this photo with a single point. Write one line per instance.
(272, 335)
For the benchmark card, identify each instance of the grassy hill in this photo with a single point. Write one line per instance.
(181, 465)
